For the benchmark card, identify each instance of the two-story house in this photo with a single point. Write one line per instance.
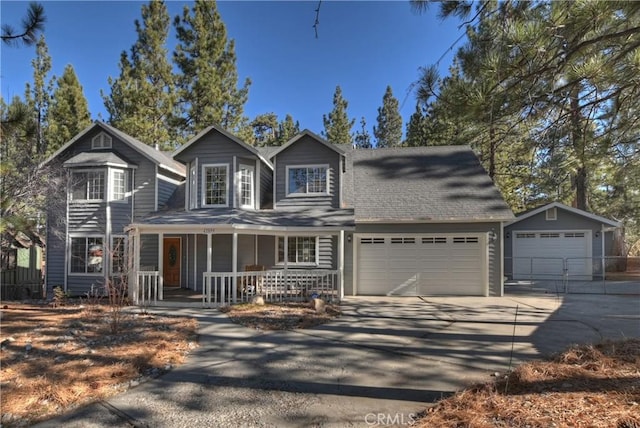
(111, 181)
(310, 214)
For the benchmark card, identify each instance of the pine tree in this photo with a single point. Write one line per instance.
(287, 129)
(416, 129)
(38, 97)
(337, 125)
(388, 133)
(208, 83)
(265, 128)
(68, 113)
(362, 139)
(142, 99)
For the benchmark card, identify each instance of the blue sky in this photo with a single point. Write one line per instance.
(361, 46)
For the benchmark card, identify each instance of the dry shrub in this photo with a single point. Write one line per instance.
(585, 386)
(279, 316)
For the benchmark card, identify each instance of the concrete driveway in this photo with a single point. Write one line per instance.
(379, 364)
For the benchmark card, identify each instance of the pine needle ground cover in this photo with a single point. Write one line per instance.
(280, 316)
(55, 359)
(585, 386)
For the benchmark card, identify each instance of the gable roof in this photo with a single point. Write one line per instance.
(562, 206)
(422, 184)
(97, 158)
(155, 156)
(227, 134)
(308, 133)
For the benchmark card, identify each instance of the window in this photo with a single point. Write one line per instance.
(465, 239)
(86, 255)
(301, 250)
(311, 180)
(525, 235)
(119, 185)
(372, 241)
(101, 141)
(245, 186)
(87, 186)
(118, 254)
(216, 185)
(549, 235)
(551, 214)
(403, 240)
(574, 235)
(436, 240)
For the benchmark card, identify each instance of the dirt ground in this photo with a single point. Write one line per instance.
(281, 316)
(55, 359)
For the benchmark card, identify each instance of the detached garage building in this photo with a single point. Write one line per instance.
(428, 221)
(555, 239)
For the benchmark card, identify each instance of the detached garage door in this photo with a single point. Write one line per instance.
(544, 255)
(422, 265)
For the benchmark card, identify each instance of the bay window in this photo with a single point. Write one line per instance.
(215, 186)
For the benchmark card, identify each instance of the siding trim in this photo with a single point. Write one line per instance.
(155, 202)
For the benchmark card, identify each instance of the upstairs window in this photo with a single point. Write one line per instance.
(308, 180)
(88, 186)
(101, 141)
(215, 187)
(118, 185)
(245, 186)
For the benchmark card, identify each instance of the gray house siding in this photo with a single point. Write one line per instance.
(307, 151)
(266, 187)
(165, 190)
(56, 248)
(215, 148)
(149, 247)
(493, 256)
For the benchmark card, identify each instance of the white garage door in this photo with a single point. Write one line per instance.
(399, 265)
(544, 255)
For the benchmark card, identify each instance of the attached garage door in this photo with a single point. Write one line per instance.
(544, 255)
(422, 265)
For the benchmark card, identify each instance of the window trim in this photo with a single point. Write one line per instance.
(203, 190)
(289, 263)
(251, 168)
(70, 250)
(551, 214)
(105, 177)
(307, 167)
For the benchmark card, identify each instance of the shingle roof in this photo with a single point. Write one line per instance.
(314, 217)
(149, 152)
(439, 183)
(97, 158)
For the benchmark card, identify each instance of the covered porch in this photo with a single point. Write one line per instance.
(178, 261)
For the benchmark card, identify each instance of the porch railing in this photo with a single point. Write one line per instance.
(149, 290)
(224, 288)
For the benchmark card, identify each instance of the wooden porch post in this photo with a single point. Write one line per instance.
(234, 262)
(160, 265)
(136, 264)
(341, 265)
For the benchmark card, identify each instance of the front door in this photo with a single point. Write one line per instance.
(171, 262)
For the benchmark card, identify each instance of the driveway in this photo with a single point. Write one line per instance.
(380, 363)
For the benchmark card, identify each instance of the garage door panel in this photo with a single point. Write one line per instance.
(423, 265)
(543, 254)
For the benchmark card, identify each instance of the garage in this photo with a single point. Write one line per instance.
(409, 265)
(545, 254)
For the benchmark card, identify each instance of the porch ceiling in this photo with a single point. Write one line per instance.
(229, 218)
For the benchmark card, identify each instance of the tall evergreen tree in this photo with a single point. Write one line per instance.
(69, 112)
(265, 129)
(362, 139)
(39, 96)
(388, 133)
(416, 129)
(143, 98)
(208, 82)
(554, 83)
(287, 129)
(337, 125)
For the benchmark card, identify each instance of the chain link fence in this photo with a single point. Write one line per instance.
(597, 275)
